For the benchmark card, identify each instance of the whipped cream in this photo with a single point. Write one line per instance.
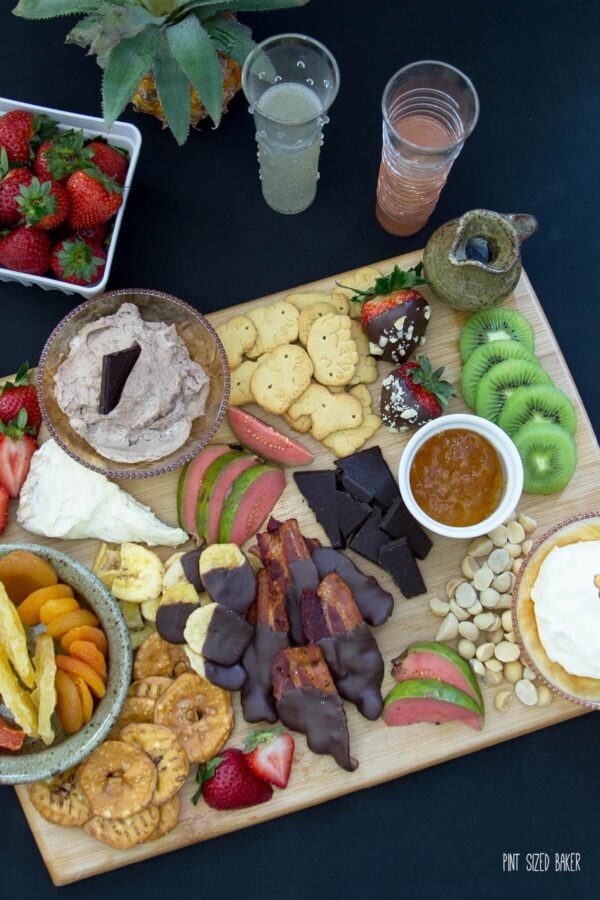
(164, 393)
(567, 607)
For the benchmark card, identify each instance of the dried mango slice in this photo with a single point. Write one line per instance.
(89, 653)
(16, 699)
(68, 703)
(118, 780)
(57, 607)
(45, 692)
(134, 709)
(169, 816)
(122, 834)
(14, 640)
(78, 617)
(198, 712)
(152, 686)
(85, 633)
(22, 572)
(167, 754)
(29, 609)
(89, 675)
(59, 800)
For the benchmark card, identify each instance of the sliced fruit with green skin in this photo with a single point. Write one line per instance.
(537, 403)
(266, 441)
(430, 659)
(216, 483)
(502, 381)
(549, 457)
(429, 700)
(253, 495)
(189, 484)
(497, 324)
(483, 358)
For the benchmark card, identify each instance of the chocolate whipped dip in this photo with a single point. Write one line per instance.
(162, 396)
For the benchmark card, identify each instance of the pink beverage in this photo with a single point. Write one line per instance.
(429, 109)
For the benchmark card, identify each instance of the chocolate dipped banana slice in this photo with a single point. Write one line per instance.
(230, 678)
(184, 568)
(228, 576)
(176, 606)
(218, 634)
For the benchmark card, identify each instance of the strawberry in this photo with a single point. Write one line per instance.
(21, 132)
(45, 204)
(96, 233)
(26, 250)
(4, 498)
(78, 260)
(94, 199)
(226, 782)
(109, 160)
(270, 755)
(17, 395)
(17, 447)
(11, 182)
(60, 156)
(414, 394)
(394, 315)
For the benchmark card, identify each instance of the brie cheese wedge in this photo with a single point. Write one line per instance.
(63, 499)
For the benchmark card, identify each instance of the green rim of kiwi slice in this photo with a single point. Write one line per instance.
(501, 381)
(483, 358)
(549, 457)
(497, 324)
(537, 403)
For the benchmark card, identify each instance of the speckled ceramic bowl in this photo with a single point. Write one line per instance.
(203, 345)
(584, 691)
(35, 761)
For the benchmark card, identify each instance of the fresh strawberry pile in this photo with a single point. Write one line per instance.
(20, 421)
(58, 194)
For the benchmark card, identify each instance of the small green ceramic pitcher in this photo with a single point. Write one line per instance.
(475, 261)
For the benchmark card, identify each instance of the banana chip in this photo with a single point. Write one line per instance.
(44, 695)
(14, 641)
(107, 564)
(140, 576)
(16, 699)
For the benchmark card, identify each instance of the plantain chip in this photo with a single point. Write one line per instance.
(14, 641)
(44, 695)
(16, 699)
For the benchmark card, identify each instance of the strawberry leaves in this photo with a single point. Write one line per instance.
(204, 773)
(421, 373)
(397, 280)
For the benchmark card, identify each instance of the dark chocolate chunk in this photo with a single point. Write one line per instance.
(304, 576)
(397, 558)
(230, 678)
(171, 619)
(375, 604)
(234, 588)
(227, 637)
(319, 489)
(191, 569)
(350, 514)
(356, 489)
(321, 717)
(258, 703)
(369, 469)
(369, 539)
(357, 668)
(116, 369)
(398, 522)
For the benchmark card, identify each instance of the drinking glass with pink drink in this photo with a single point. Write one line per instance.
(429, 110)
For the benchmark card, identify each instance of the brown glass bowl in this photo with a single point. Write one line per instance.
(584, 691)
(203, 345)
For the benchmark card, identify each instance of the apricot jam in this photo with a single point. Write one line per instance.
(456, 477)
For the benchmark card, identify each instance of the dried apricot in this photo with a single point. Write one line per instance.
(22, 572)
(79, 667)
(68, 703)
(87, 701)
(86, 633)
(29, 610)
(53, 608)
(90, 654)
(61, 624)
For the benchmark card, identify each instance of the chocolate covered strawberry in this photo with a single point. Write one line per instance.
(394, 315)
(413, 394)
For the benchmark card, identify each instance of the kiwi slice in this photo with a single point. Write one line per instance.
(483, 358)
(497, 324)
(501, 381)
(537, 403)
(549, 457)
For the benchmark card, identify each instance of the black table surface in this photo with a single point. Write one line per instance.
(197, 227)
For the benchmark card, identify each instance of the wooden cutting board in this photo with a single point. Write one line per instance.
(384, 753)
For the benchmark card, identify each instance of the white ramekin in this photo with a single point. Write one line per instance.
(510, 460)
